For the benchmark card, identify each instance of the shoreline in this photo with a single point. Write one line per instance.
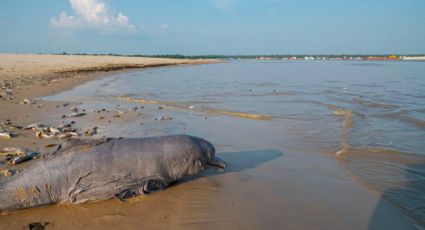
(269, 181)
(25, 78)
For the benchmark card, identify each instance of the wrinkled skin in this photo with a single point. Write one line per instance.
(93, 170)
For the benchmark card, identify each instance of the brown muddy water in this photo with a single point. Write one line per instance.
(309, 145)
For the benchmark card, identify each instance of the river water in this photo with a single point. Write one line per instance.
(303, 129)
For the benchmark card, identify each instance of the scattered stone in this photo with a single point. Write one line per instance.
(5, 134)
(76, 114)
(74, 109)
(65, 104)
(64, 125)
(116, 116)
(37, 225)
(101, 118)
(163, 118)
(64, 135)
(68, 130)
(9, 91)
(90, 132)
(7, 172)
(64, 130)
(50, 145)
(26, 102)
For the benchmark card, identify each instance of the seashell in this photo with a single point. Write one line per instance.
(41, 134)
(74, 134)
(74, 109)
(7, 172)
(64, 125)
(68, 129)
(5, 134)
(35, 126)
(54, 130)
(76, 114)
(64, 135)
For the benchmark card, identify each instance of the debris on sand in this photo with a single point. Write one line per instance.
(5, 134)
(35, 126)
(74, 109)
(90, 132)
(37, 225)
(50, 145)
(16, 155)
(8, 172)
(7, 129)
(76, 114)
(64, 130)
(21, 159)
(163, 118)
(26, 101)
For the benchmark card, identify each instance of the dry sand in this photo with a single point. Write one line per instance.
(265, 189)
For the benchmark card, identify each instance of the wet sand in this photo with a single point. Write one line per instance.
(262, 188)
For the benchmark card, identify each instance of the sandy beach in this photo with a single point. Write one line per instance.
(27, 76)
(266, 186)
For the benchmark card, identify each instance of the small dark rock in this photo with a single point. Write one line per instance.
(37, 225)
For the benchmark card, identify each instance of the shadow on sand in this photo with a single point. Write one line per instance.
(408, 200)
(239, 161)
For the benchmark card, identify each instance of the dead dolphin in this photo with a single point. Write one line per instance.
(92, 170)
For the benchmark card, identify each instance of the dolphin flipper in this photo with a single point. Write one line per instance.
(147, 187)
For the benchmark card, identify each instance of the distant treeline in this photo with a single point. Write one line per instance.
(274, 56)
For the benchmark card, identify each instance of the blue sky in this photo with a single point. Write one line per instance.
(212, 26)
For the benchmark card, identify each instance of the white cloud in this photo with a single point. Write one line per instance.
(164, 27)
(224, 5)
(91, 14)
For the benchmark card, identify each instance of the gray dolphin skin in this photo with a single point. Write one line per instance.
(86, 170)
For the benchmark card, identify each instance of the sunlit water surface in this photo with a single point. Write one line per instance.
(369, 116)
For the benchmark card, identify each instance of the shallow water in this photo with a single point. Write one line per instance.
(385, 101)
(332, 130)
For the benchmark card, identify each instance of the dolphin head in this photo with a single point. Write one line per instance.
(192, 155)
(188, 155)
(208, 157)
